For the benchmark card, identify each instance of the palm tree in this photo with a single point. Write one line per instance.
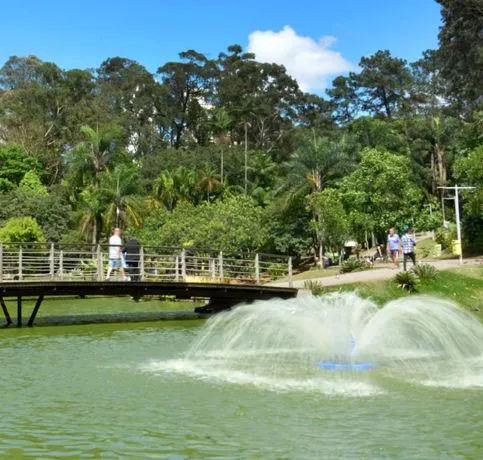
(119, 189)
(173, 186)
(316, 164)
(90, 208)
(220, 124)
(208, 180)
(165, 190)
(87, 161)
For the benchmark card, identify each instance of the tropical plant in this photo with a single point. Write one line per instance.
(123, 206)
(315, 287)
(355, 265)
(407, 281)
(425, 272)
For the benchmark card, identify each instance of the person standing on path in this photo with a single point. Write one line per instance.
(115, 261)
(133, 255)
(408, 242)
(394, 246)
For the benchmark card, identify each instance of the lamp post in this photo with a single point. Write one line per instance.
(246, 156)
(457, 214)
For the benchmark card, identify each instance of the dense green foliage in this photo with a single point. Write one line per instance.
(21, 230)
(229, 153)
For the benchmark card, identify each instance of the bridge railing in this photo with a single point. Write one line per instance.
(84, 262)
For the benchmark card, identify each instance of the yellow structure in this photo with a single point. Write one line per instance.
(456, 247)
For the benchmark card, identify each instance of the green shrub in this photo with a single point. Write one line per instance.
(277, 270)
(355, 265)
(315, 287)
(445, 236)
(407, 281)
(425, 272)
(425, 251)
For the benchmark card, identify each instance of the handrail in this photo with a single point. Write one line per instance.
(83, 261)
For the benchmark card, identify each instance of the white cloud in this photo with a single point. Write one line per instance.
(312, 63)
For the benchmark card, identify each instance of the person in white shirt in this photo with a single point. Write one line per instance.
(115, 261)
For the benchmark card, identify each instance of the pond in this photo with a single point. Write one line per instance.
(246, 384)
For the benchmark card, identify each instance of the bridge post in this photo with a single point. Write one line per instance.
(20, 271)
(100, 268)
(176, 268)
(8, 320)
(220, 266)
(51, 262)
(35, 310)
(213, 270)
(19, 311)
(1, 261)
(183, 265)
(257, 268)
(290, 280)
(141, 264)
(61, 265)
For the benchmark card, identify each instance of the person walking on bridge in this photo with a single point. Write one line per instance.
(115, 247)
(133, 256)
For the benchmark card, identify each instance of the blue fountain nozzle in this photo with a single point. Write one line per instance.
(353, 343)
(331, 366)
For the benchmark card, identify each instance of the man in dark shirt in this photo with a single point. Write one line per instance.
(132, 251)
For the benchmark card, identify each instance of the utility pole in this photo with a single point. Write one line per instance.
(457, 214)
(246, 156)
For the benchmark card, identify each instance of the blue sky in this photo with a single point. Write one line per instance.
(84, 33)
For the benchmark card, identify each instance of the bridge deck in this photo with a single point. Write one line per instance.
(222, 296)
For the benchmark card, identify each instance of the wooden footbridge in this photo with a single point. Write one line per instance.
(224, 280)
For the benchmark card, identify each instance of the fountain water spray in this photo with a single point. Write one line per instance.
(285, 343)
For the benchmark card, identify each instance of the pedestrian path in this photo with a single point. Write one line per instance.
(375, 274)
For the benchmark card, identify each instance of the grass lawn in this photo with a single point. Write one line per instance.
(463, 285)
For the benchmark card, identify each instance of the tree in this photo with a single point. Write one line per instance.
(132, 98)
(21, 230)
(220, 124)
(330, 220)
(343, 96)
(468, 170)
(30, 184)
(258, 94)
(51, 211)
(14, 164)
(42, 107)
(379, 194)
(316, 164)
(86, 163)
(189, 85)
(208, 181)
(382, 83)
(461, 48)
(179, 185)
(234, 224)
(122, 205)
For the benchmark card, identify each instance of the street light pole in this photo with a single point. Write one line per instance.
(246, 157)
(457, 214)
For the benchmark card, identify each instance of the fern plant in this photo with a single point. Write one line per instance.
(425, 272)
(314, 286)
(407, 281)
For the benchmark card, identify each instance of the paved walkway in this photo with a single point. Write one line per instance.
(375, 274)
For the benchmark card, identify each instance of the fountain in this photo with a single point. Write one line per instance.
(304, 342)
